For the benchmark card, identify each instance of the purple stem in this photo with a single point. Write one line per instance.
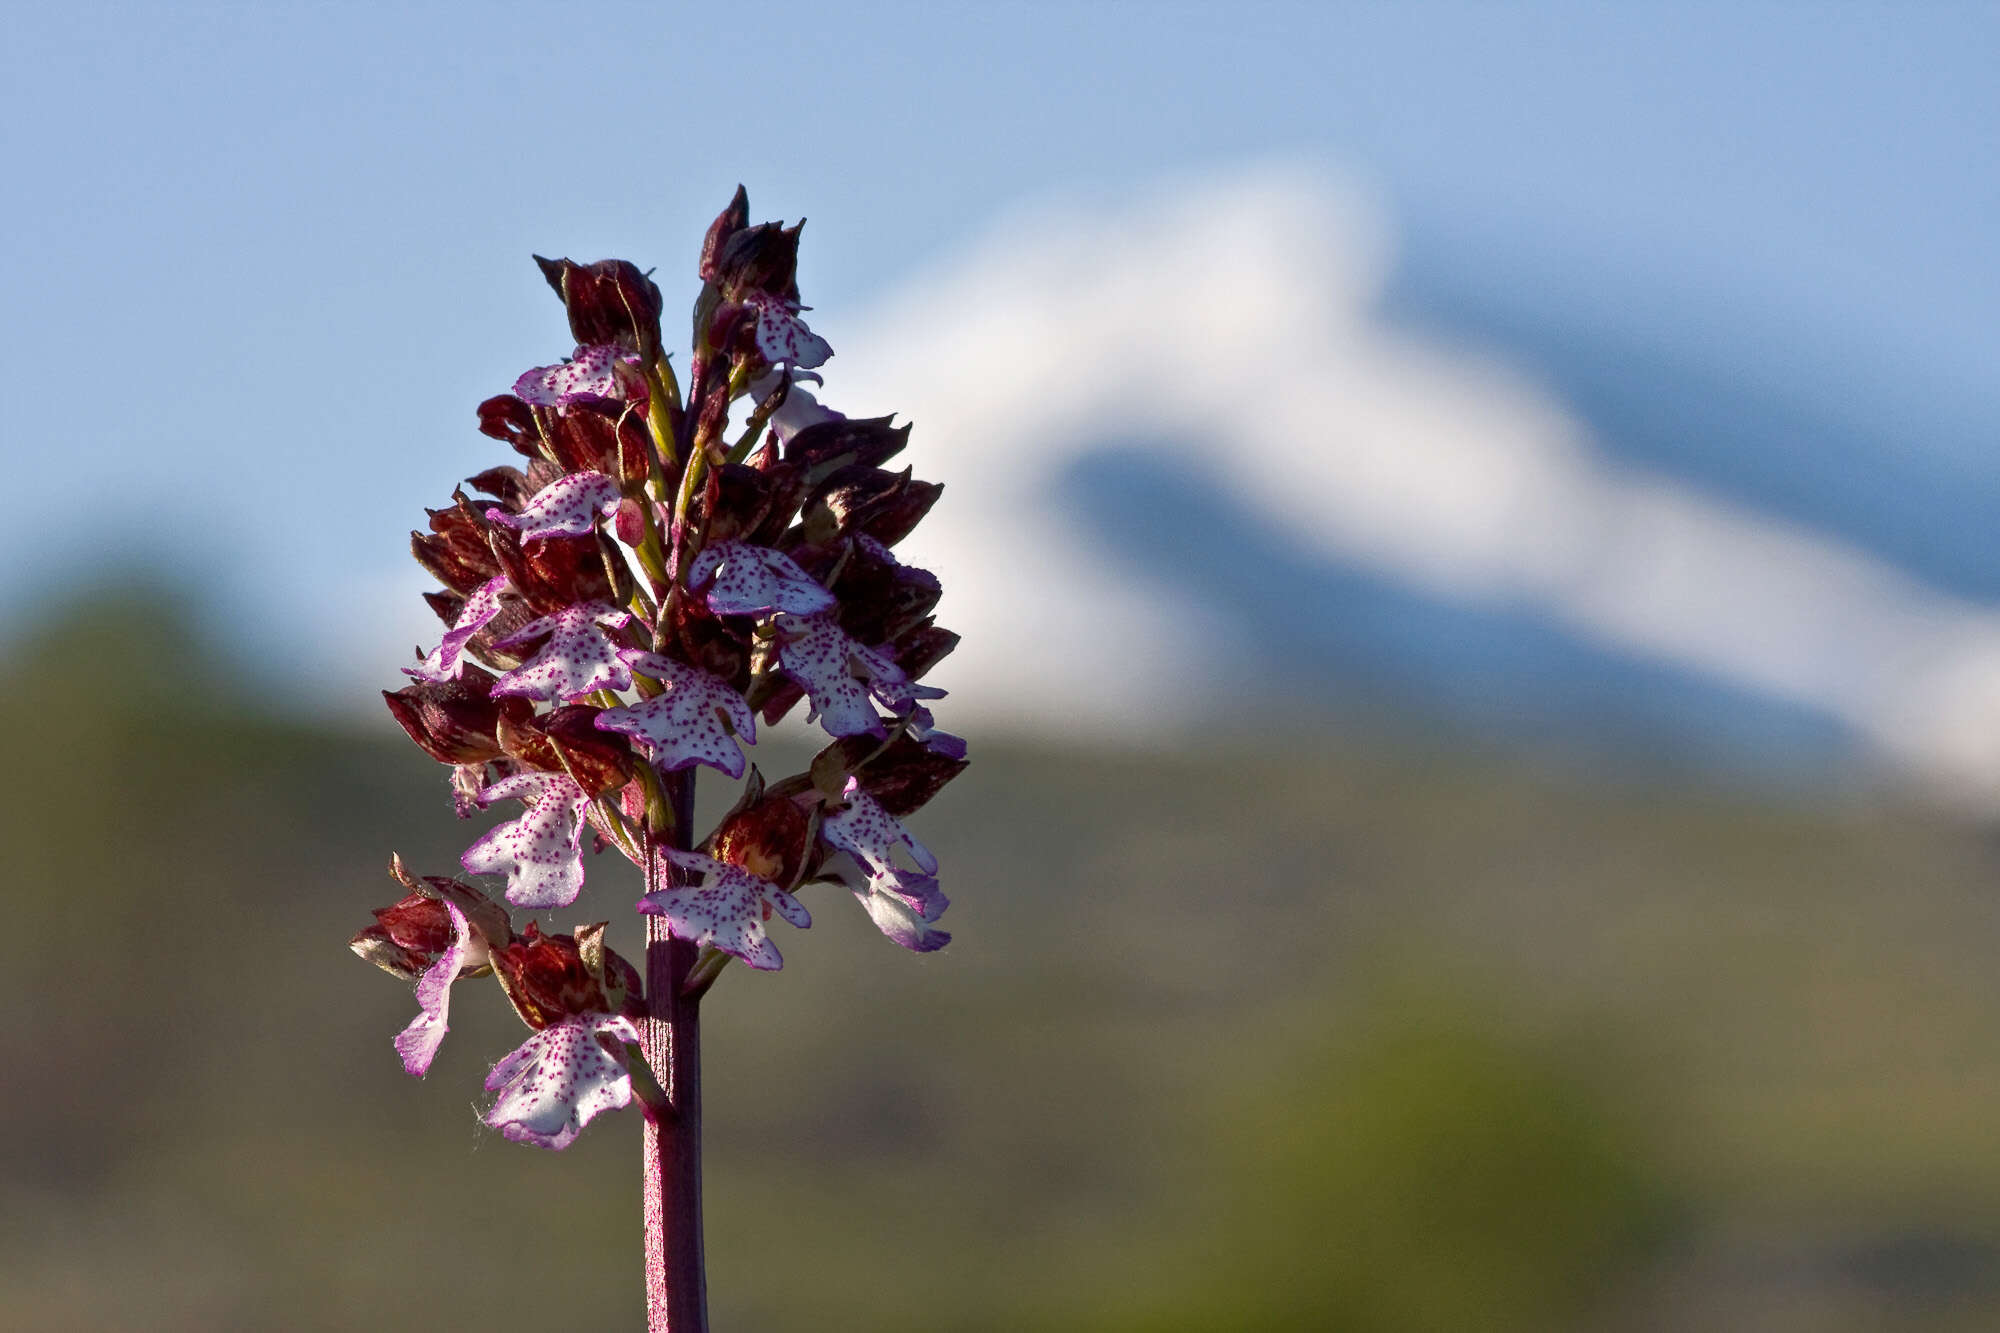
(676, 1282)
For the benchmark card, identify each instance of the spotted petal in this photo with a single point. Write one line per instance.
(418, 1043)
(541, 853)
(594, 372)
(871, 835)
(750, 580)
(578, 658)
(782, 337)
(838, 673)
(728, 909)
(559, 1080)
(906, 926)
(448, 657)
(567, 507)
(684, 725)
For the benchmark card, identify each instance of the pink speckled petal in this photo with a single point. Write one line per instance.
(788, 907)
(592, 373)
(871, 833)
(817, 654)
(894, 918)
(871, 836)
(684, 725)
(541, 853)
(418, 1043)
(727, 909)
(750, 580)
(782, 337)
(578, 658)
(445, 661)
(889, 682)
(559, 1080)
(567, 507)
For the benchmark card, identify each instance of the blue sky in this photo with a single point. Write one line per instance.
(265, 259)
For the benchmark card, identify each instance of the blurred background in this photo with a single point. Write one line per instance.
(1473, 530)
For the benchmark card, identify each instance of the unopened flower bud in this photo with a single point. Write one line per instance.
(455, 721)
(566, 740)
(743, 498)
(408, 936)
(880, 599)
(509, 485)
(903, 776)
(457, 553)
(920, 649)
(868, 501)
(609, 302)
(763, 258)
(546, 979)
(596, 436)
(553, 572)
(628, 525)
(727, 223)
(831, 445)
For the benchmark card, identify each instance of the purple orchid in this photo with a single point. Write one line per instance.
(579, 658)
(448, 658)
(685, 725)
(838, 674)
(541, 853)
(782, 337)
(751, 580)
(640, 545)
(560, 1079)
(595, 371)
(871, 835)
(728, 909)
(567, 507)
(901, 923)
(418, 1043)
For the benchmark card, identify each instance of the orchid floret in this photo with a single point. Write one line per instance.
(597, 371)
(782, 337)
(567, 507)
(541, 853)
(578, 659)
(448, 657)
(727, 909)
(685, 725)
(871, 835)
(839, 673)
(751, 580)
(901, 923)
(560, 1079)
(418, 1043)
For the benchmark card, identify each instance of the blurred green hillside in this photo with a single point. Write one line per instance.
(1358, 1036)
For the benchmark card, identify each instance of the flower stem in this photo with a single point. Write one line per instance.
(676, 1283)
